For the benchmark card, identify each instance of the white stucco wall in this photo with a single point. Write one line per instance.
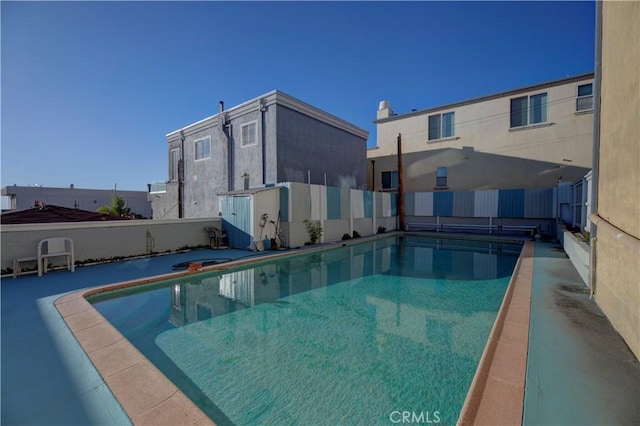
(485, 126)
(106, 240)
(578, 252)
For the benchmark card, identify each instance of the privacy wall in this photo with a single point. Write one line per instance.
(339, 211)
(503, 203)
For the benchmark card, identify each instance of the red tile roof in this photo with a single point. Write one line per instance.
(53, 214)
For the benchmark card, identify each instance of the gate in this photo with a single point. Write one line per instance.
(236, 220)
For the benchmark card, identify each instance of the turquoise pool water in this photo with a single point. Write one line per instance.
(356, 335)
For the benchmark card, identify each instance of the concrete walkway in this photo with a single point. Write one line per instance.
(579, 371)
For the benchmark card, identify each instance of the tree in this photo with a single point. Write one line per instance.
(118, 207)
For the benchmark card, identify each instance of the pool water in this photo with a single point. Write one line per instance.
(358, 334)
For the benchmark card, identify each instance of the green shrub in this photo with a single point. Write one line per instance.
(315, 231)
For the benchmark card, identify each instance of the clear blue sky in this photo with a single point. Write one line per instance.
(90, 89)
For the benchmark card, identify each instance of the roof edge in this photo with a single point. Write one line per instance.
(277, 97)
(530, 88)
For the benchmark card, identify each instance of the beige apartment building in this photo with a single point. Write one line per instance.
(615, 244)
(524, 138)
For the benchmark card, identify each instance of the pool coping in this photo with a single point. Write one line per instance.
(496, 395)
(149, 398)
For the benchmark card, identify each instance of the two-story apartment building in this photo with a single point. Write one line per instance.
(270, 139)
(525, 138)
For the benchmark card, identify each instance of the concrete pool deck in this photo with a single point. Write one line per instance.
(47, 379)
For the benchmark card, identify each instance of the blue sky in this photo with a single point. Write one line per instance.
(90, 89)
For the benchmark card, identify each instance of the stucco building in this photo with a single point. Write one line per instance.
(270, 139)
(615, 244)
(524, 138)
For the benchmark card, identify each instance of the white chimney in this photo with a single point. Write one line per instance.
(384, 110)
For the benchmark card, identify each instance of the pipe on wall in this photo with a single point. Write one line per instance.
(262, 110)
(595, 170)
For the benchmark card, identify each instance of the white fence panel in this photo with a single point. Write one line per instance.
(357, 204)
(486, 203)
(383, 203)
(318, 196)
(424, 203)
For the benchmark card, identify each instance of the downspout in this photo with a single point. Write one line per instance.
(222, 125)
(181, 178)
(262, 109)
(400, 186)
(595, 175)
(373, 175)
(231, 167)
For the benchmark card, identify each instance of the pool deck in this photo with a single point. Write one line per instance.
(574, 369)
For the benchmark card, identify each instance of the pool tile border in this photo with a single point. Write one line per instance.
(496, 395)
(150, 399)
(145, 394)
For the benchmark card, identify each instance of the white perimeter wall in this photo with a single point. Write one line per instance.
(106, 240)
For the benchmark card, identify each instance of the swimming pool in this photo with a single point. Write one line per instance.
(359, 334)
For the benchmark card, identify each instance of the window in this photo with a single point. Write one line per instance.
(202, 148)
(441, 177)
(174, 157)
(584, 101)
(249, 135)
(441, 125)
(389, 180)
(527, 110)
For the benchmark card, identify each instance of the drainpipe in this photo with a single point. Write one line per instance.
(595, 175)
(222, 124)
(181, 178)
(400, 186)
(262, 109)
(373, 175)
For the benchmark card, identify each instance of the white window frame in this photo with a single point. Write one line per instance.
(174, 160)
(441, 126)
(529, 111)
(579, 98)
(195, 149)
(441, 177)
(243, 143)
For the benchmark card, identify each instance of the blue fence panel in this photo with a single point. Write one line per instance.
(334, 203)
(394, 204)
(367, 198)
(538, 203)
(443, 203)
(463, 203)
(284, 204)
(410, 203)
(511, 203)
